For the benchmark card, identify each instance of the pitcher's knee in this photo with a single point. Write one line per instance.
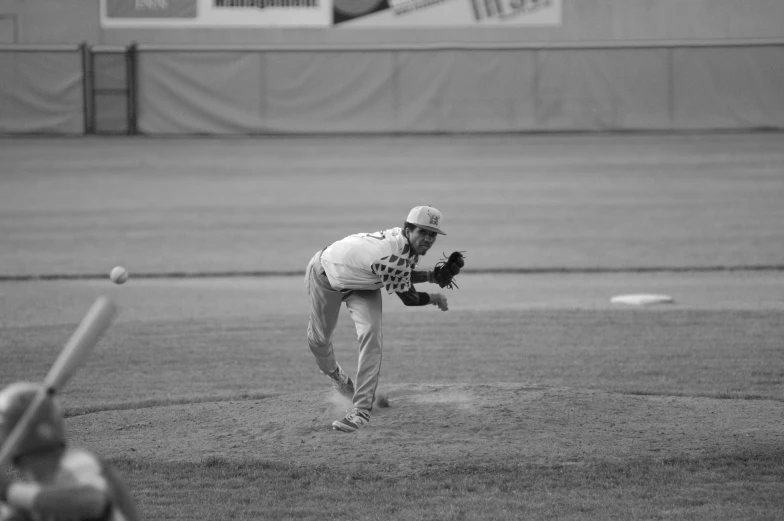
(370, 337)
(318, 348)
(317, 338)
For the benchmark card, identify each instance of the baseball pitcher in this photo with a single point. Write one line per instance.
(353, 271)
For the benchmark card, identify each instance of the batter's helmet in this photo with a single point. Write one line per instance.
(46, 431)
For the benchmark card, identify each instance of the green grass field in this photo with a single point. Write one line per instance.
(532, 398)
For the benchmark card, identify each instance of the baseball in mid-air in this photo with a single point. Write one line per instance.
(118, 274)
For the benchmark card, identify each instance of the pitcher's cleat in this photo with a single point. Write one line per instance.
(352, 422)
(341, 382)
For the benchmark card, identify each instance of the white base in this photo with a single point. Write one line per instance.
(642, 299)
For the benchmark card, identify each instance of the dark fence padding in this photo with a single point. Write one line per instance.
(41, 92)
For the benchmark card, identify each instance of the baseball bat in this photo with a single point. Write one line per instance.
(72, 356)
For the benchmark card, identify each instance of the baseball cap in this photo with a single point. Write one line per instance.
(46, 431)
(425, 217)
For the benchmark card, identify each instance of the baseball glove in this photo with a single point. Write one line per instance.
(445, 270)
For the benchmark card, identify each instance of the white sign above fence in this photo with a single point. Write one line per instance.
(340, 14)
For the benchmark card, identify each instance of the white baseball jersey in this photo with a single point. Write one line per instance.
(367, 261)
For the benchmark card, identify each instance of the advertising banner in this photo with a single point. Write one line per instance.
(215, 13)
(445, 13)
(340, 14)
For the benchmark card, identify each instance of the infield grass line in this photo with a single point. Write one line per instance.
(162, 402)
(481, 271)
(72, 412)
(718, 395)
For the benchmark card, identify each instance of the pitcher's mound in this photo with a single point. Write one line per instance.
(428, 426)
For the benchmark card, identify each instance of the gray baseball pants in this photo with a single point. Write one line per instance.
(365, 309)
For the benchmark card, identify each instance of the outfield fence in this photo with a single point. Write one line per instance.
(385, 88)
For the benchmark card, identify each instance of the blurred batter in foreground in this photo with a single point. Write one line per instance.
(59, 483)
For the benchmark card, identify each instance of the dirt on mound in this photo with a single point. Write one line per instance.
(437, 426)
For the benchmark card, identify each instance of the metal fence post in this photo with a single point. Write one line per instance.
(670, 88)
(88, 85)
(537, 87)
(131, 70)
